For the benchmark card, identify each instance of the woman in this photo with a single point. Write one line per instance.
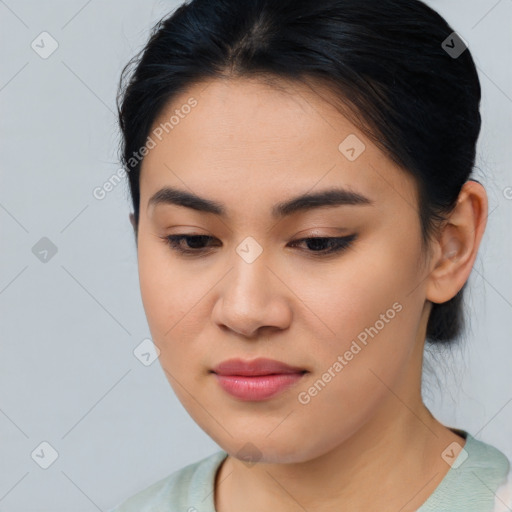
(305, 223)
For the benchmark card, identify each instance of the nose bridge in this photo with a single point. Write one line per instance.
(250, 278)
(250, 296)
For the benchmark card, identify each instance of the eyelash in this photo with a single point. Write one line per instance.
(340, 244)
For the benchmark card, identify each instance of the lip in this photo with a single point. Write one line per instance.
(261, 387)
(255, 367)
(258, 379)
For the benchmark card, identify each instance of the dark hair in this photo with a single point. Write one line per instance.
(386, 62)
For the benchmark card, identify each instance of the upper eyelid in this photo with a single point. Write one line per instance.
(302, 237)
(181, 236)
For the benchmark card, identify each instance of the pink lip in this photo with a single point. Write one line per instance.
(257, 388)
(256, 380)
(260, 366)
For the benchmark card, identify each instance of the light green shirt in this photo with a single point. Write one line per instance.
(476, 482)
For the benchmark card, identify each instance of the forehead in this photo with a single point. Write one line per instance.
(255, 140)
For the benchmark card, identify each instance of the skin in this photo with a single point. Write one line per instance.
(367, 436)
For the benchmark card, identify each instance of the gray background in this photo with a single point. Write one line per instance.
(69, 325)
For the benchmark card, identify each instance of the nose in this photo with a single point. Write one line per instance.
(253, 298)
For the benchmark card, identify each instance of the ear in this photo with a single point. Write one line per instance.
(458, 243)
(133, 223)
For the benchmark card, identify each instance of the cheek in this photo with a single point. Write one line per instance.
(164, 290)
(355, 368)
(153, 283)
(366, 312)
(349, 296)
(177, 310)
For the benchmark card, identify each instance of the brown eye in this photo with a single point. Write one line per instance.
(195, 243)
(317, 246)
(327, 245)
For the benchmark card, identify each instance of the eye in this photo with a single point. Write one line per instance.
(321, 246)
(196, 241)
(327, 245)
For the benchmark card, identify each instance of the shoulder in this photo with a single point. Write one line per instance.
(503, 498)
(179, 490)
(487, 473)
(479, 479)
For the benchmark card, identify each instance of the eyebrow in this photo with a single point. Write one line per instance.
(308, 201)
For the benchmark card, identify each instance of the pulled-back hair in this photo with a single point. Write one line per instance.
(385, 62)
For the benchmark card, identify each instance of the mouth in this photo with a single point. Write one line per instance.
(258, 379)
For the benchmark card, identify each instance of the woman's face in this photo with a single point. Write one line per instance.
(354, 319)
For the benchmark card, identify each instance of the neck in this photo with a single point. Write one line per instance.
(394, 460)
